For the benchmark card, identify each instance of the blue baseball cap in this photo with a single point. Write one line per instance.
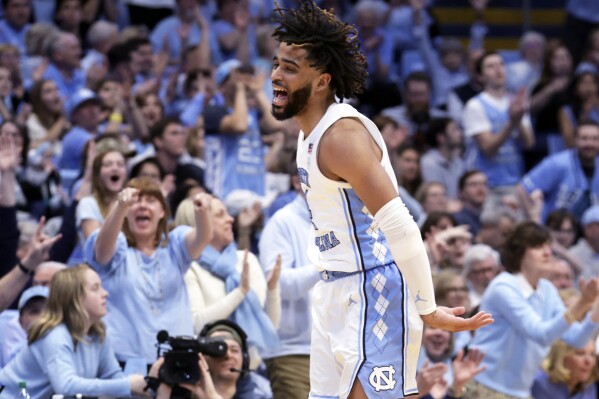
(82, 96)
(591, 215)
(224, 70)
(38, 291)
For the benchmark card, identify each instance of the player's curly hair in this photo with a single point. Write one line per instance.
(332, 45)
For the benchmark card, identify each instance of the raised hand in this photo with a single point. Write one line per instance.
(39, 247)
(430, 375)
(448, 319)
(9, 154)
(244, 284)
(466, 367)
(273, 277)
(128, 196)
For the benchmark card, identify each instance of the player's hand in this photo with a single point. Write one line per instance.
(448, 319)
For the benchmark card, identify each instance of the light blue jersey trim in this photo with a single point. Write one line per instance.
(322, 396)
(351, 232)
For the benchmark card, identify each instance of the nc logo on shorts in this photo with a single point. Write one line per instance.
(382, 379)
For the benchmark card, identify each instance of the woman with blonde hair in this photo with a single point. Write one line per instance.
(568, 372)
(67, 351)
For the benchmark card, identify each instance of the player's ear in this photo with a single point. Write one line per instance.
(323, 81)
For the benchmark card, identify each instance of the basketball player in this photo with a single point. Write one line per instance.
(366, 324)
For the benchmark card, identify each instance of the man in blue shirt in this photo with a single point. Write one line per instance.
(16, 23)
(568, 179)
(234, 148)
(64, 67)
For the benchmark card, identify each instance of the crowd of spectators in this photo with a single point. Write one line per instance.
(145, 186)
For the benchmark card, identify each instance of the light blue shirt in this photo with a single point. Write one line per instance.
(222, 28)
(561, 179)
(14, 338)
(53, 364)
(289, 232)
(146, 294)
(543, 388)
(587, 10)
(167, 31)
(527, 322)
(72, 147)
(66, 87)
(8, 35)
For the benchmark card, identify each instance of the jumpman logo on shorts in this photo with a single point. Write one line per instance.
(351, 301)
(419, 298)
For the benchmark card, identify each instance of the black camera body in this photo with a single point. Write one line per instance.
(181, 357)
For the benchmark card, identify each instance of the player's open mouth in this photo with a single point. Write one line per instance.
(279, 97)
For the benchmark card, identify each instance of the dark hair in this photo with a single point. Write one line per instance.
(118, 54)
(233, 328)
(38, 107)
(432, 219)
(467, 175)
(136, 170)
(586, 122)
(332, 45)
(478, 66)
(436, 126)
(158, 129)
(556, 218)
(135, 43)
(417, 76)
(525, 235)
(547, 74)
(575, 101)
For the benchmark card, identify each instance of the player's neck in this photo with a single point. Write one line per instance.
(314, 112)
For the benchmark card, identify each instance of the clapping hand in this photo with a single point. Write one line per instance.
(466, 367)
(9, 154)
(273, 277)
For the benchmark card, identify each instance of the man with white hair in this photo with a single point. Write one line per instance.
(481, 265)
(101, 36)
(526, 71)
(64, 53)
(45, 271)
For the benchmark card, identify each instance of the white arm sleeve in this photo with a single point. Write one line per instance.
(407, 248)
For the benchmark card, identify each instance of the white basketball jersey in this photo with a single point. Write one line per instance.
(346, 235)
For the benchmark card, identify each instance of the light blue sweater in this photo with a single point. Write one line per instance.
(52, 364)
(527, 322)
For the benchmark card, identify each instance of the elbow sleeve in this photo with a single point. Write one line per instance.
(403, 237)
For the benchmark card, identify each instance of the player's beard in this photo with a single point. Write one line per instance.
(296, 103)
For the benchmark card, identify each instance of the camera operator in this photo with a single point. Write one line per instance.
(221, 377)
(203, 389)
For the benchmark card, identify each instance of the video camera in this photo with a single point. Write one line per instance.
(181, 356)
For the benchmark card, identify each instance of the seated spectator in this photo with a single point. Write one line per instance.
(8, 102)
(568, 372)
(433, 198)
(47, 121)
(582, 105)
(64, 53)
(67, 350)
(496, 224)
(14, 331)
(407, 168)
(15, 24)
(568, 179)
(143, 267)
(83, 110)
(227, 283)
(563, 227)
(562, 275)
(443, 161)
(586, 250)
(240, 383)
(45, 271)
(100, 37)
(418, 109)
(451, 289)
(529, 316)
(497, 127)
(547, 97)
(526, 71)
(481, 265)
(473, 191)
(441, 376)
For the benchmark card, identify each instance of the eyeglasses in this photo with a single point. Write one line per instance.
(455, 290)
